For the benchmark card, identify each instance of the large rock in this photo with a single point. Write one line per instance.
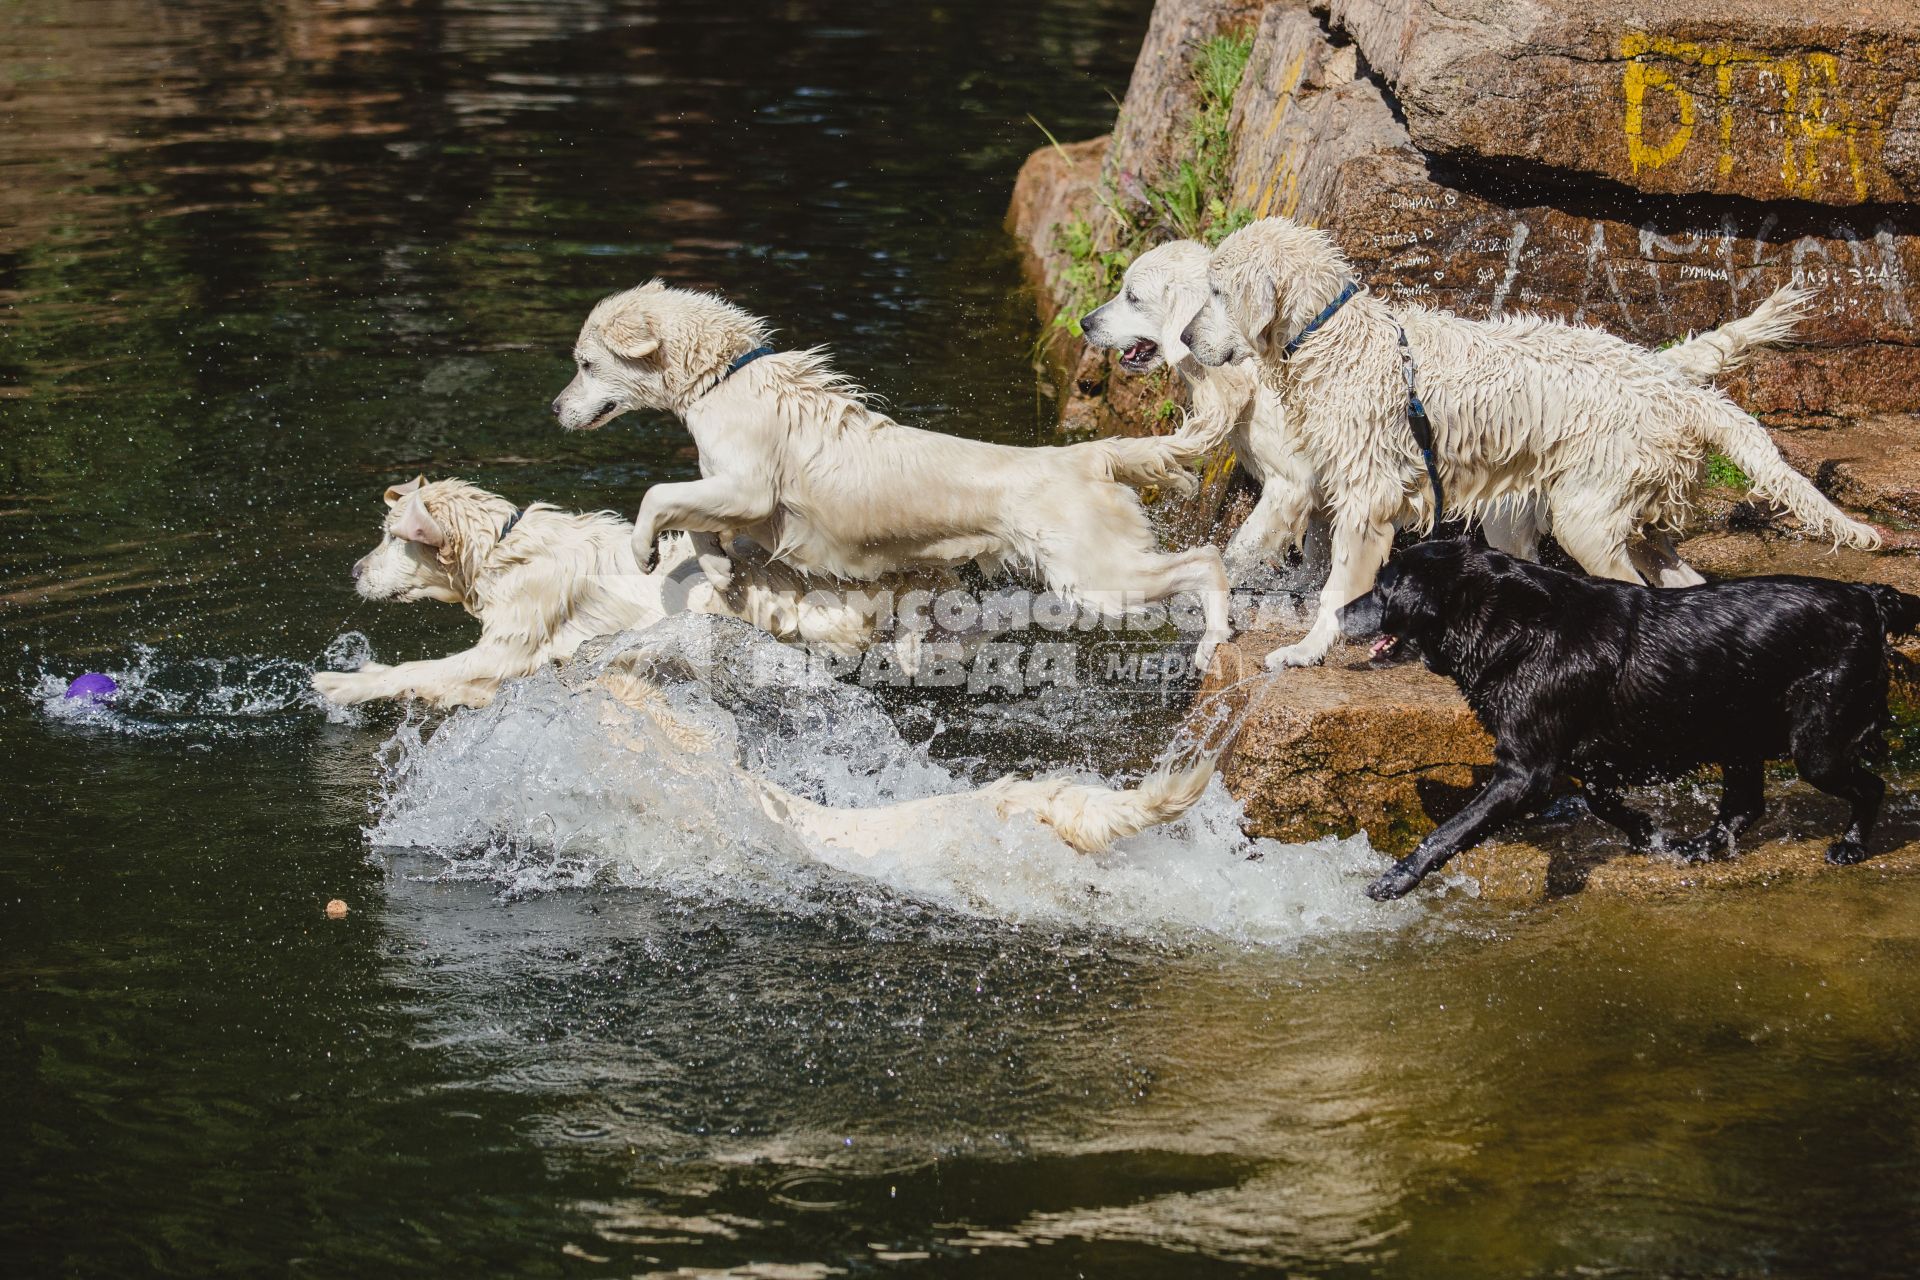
(1318, 138)
(1147, 137)
(1346, 747)
(1872, 465)
(1754, 98)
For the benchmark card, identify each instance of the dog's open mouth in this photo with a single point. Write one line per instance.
(1141, 356)
(602, 416)
(1382, 646)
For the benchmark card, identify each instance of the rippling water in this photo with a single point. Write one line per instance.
(258, 261)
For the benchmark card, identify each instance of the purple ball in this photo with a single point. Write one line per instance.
(91, 685)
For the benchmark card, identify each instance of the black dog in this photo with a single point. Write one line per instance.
(1619, 684)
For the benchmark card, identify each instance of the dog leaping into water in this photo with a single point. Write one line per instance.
(542, 582)
(794, 458)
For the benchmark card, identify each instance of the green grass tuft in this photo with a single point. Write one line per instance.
(1188, 201)
(1722, 473)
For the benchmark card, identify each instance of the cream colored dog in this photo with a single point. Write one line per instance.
(543, 581)
(1164, 289)
(1608, 436)
(794, 458)
(1087, 817)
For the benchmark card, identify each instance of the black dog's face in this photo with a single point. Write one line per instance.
(1407, 597)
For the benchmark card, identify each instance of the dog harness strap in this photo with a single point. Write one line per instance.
(741, 362)
(738, 363)
(1422, 430)
(512, 520)
(1313, 325)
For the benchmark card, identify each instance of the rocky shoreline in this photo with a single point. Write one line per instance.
(1602, 162)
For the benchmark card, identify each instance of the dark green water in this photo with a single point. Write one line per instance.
(256, 262)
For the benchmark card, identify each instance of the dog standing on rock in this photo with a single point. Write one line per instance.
(1621, 684)
(1609, 436)
(1164, 289)
(792, 457)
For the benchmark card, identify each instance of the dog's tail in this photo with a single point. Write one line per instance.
(1091, 817)
(1748, 446)
(1717, 351)
(1899, 612)
(1150, 460)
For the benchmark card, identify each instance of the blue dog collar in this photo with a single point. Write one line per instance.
(1313, 325)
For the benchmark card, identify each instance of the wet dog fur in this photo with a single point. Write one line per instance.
(1619, 684)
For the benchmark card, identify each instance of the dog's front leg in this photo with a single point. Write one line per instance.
(1278, 521)
(1358, 552)
(466, 679)
(1515, 788)
(716, 504)
(713, 558)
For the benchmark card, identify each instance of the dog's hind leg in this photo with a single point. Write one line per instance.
(1829, 760)
(1359, 549)
(1199, 572)
(1516, 788)
(1605, 804)
(1589, 525)
(1743, 798)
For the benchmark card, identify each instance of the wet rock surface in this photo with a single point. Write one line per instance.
(1498, 164)
(1750, 98)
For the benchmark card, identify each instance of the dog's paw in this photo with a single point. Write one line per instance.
(1206, 654)
(1396, 881)
(646, 551)
(1845, 853)
(1295, 655)
(718, 568)
(1704, 847)
(909, 652)
(341, 687)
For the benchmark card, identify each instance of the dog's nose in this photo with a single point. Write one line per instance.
(358, 566)
(555, 406)
(1186, 334)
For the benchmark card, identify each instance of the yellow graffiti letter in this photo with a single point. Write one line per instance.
(1639, 76)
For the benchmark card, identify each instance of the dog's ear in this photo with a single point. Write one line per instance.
(416, 524)
(395, 492)
(630, 336)
(1256, 301)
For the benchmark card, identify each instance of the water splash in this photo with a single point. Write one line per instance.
(163, 695)
(558, 784)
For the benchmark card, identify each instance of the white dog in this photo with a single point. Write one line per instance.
(1608, 436)
(1087, 817)
(794, 458)
(1164, 289)
(544, 581)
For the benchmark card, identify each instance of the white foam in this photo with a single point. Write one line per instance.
(557, 785)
